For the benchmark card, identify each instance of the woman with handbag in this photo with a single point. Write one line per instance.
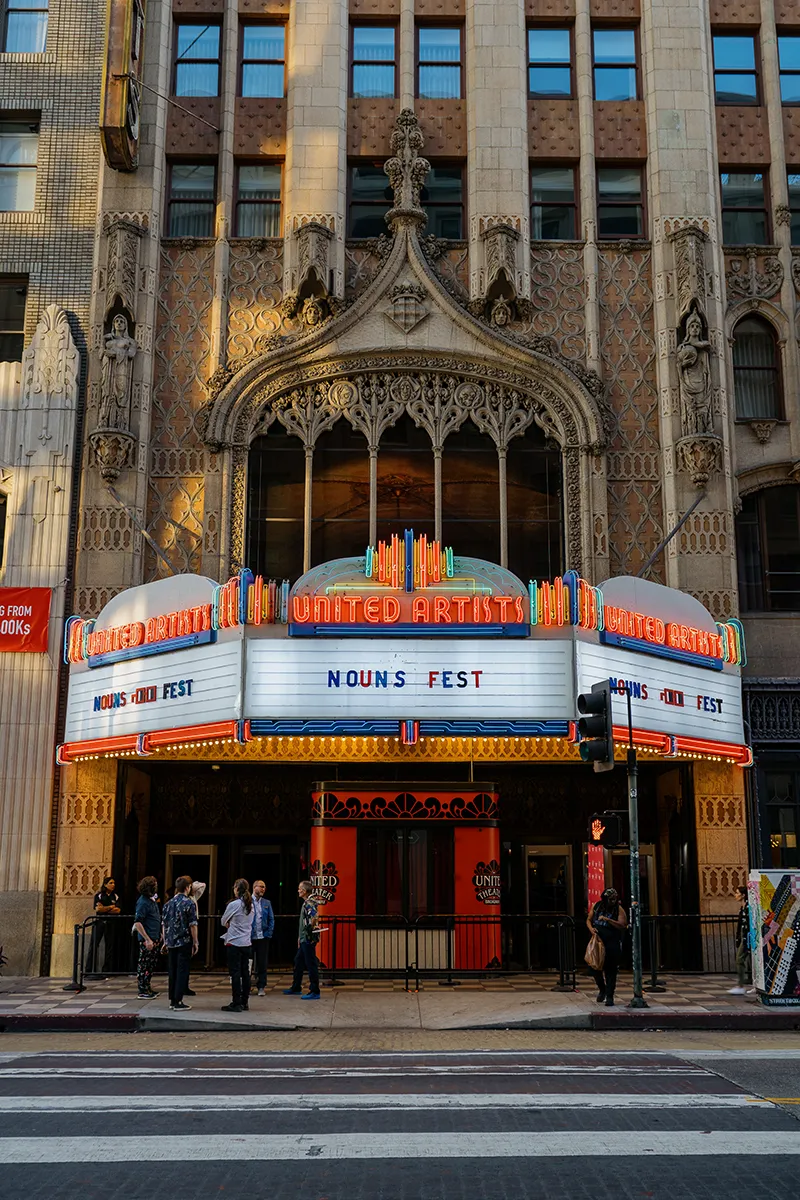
(607, 923)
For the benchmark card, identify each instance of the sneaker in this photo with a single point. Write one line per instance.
(261, 992)
(292, 992)
(232, 1008)
(601, 997)
(180, 1007)
(311, 996)
(609, 1001)
(147, 995)
(736, 991)
(751, 991)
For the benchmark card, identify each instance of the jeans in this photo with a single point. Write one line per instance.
(179, 959)
(239, 971)
(606, 979)
(306, 960)
(148, 961)
(743, 965)
(260, 953)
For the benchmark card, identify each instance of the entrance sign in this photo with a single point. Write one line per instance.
(24, 619)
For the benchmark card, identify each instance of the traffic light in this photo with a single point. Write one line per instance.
(595, 727)
(605, 829)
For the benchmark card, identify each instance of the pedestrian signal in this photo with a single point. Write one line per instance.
(605, 829)
(595, 727)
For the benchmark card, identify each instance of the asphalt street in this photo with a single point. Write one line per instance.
(400, 1126)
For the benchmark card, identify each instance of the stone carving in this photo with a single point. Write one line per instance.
(752, 272)
(690, 269)
(762, 430)
(772, 709)
(406, 171)
(117, 358)
(112, 451)
(310, 297)
(783, 214)
(376, 405)
(499, 298)
(796, 272)
(49, 388)
(407, 306)
(122, 269)
(699, 457)
(694, 373)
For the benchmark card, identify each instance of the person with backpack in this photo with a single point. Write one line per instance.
(607, 922)
(238, 922)
(307, 938)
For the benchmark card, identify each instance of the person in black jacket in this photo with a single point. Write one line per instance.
(609, 921)
(742, 941)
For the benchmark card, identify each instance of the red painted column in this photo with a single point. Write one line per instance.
(477, 897)
(333, 874)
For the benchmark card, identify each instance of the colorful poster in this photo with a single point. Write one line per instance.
(774, 898)
(24, 618)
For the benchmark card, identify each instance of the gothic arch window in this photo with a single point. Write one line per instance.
(339, 494)
(406, 492)
(471, 493)
(756, 371)
(768, 545)
(275, 505)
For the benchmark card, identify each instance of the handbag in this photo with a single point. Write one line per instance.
(595, 955)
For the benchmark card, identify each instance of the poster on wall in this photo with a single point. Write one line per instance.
(774, 899)
(24, 619)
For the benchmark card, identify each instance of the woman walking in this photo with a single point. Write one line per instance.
(238, 922)
(608, 920)
(147, 923)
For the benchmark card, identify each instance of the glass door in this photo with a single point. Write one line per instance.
(405, 871)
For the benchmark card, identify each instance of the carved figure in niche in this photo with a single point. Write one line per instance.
(115, 386)
(501, 313)
(694, 373)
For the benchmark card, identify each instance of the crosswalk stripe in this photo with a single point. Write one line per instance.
(274, 1147)
(316, 1072)
(546, 1100)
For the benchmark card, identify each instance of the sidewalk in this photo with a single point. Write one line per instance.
(518, 1002)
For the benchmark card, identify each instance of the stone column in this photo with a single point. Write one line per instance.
(497, 138)
(682, 195)
(587, 182)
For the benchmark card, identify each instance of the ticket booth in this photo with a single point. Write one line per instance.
(391, 865)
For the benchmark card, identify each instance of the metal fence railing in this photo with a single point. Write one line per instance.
(445, 947)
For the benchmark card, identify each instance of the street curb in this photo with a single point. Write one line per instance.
(767, 1020)
(170, 1024)
(69, 1023)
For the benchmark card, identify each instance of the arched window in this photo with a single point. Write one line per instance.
(339, 494)
(406, 493)
(275, 505)
(768, 544)
(756, 372)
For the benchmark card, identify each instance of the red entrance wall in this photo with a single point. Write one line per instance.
(477, 897)
(333, 874)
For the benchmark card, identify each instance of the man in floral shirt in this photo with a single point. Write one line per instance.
(306, 957)
(179, 928)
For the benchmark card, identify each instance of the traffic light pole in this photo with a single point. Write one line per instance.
(638, 1000)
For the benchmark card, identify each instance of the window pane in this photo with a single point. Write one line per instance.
(552, 223)
(755, 371)
(442, 185)
(783, 547)
(197, 79)
(796, 229)
(198, 41)
(340, 494)
(17, 188)
(262, 79)
(11, 346)
(790, 89)
(439, 45)
(789, 53)
(192, 181)
(548, 45)
(734, 53)
(370, 183)
(615, 83)
(12, 305)
(614, 46)
(258, 220)
(534, 507)
(734, 89)
(549, 81)
(367, 221)
(470, 494)
(744, 228)
(263, 41)
(619, 183)
(275, 490)
(552, 184)
(748, 541)
(620, 222)
(741, 190)
(260, 182)
(18, 144)
(26, 33)
(445, 222)
(373, 43)
(552, 196)
(440, 83)
(369, 80)
(191, 219)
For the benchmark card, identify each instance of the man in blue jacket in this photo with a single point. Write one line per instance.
(263, 925)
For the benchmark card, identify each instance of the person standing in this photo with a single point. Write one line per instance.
(609, 921)
(195, 893)
(743, 962)
(179, 933)
(263, 926)
(238, 922)
(147, 923)
(105, 904)
(306, 957)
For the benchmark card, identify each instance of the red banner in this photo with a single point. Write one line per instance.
(24, 617)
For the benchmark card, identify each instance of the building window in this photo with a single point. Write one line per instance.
(553, 204)
(19, 147)
(258, 200)
(756, 374)
(442, 196)
(25, 29)
(192, 190)
(744, 208)
(620, 209)
(549, 62)
(735, 77)
(263, 60)
(373, 59)
(614, 64)
(197, 60)
(12, 318)
(3, 520)
(789, 59)
(439, 59)
(768, 549)
(781, 790)
(793, 180)
(370, 200)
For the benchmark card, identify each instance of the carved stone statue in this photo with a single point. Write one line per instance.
(115, 386)
(695, 378)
